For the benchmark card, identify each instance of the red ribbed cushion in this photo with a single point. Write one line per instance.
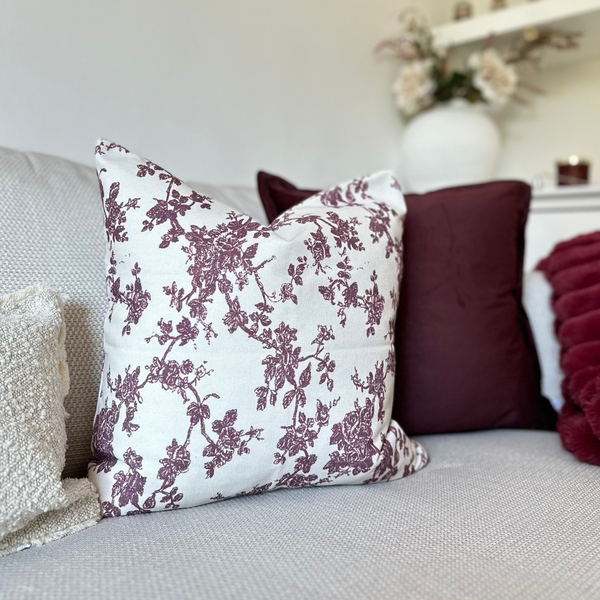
(573, 269)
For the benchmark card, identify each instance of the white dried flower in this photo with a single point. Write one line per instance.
(413, 22)
(440, 49)
(496, 80)
(407, 49)
(414, 87)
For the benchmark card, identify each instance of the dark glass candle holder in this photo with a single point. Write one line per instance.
(573, 171)
(462, 10)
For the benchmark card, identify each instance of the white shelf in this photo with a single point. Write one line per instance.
(568, 192)
(571, 15)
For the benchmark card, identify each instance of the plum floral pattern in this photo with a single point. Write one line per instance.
(254, 357)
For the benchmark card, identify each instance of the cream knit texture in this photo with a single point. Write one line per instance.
(34, 379)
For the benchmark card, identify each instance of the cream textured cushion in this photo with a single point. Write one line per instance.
(34, 380)
(35, 506)
(242, 358)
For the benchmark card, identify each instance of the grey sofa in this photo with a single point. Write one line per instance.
(497, 514)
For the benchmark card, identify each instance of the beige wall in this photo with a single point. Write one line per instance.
(215, 89)
(565, 120)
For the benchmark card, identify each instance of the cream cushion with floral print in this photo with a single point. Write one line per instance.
(241, 358)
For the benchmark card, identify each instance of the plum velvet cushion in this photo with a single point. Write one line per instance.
(573, 269)
(465, 351)
(241, 358)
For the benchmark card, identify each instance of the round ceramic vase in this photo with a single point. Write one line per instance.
(455, 143)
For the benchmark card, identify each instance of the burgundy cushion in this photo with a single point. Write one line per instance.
(573, 269)
(466, 358)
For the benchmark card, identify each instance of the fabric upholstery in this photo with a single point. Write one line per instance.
(82, 510)
(52, 231)
(34, 379)
(537, 299)
(241, 358)
(465, 352)
(496, 515)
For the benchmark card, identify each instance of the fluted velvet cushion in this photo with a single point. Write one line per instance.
(573, 270)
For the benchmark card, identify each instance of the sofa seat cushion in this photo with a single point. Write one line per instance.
(497, 514)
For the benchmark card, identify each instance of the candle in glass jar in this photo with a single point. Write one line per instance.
(463, 10)
(573, 170)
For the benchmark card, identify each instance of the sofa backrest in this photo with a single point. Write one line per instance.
(52, 231)
(51, 227)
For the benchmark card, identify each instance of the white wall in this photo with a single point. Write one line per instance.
(213, 89)
(563, 121)
(216, 89)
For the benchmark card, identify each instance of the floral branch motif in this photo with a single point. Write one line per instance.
(229, 441)
(183, 379)
(372, 302)
(174, 205)
(353, 437)
(223, 262)
(103, 148)
(133, 297)
(374, 385)
(354, 440)
(115, 213)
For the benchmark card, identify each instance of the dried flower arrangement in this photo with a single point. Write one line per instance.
(426, 77)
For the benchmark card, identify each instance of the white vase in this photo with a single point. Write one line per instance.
(454, 143)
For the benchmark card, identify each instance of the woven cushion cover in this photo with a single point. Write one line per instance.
(241, 358)
(499, 514)
(52, 231)
(34, 379)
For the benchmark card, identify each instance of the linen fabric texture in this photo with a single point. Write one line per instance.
(241, 358)
(82, 510)
(466, 357)
(51, 230)
(497, 515)
(573, 270)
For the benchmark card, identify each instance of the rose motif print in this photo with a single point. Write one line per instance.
(241, 358)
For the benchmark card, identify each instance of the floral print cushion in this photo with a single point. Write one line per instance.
(240, 358)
